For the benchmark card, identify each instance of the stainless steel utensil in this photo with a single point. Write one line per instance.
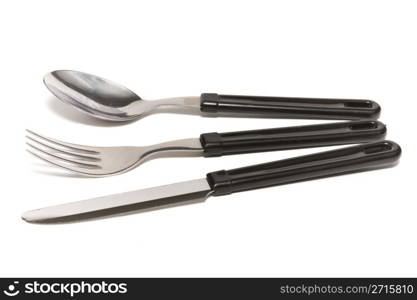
(324, 164)
(106, 161)
(110, 101)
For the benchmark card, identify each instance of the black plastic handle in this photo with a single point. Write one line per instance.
(217, 144)
(329, 163)
(290, 107)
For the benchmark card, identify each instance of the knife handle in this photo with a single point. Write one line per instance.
(290, 107)
(217, 144)
(324, 164)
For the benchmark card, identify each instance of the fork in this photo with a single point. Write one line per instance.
(107, 161)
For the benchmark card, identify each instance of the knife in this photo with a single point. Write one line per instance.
(323, 164)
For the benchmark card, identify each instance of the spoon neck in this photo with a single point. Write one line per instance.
(189, 102)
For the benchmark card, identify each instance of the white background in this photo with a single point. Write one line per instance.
(355, 225)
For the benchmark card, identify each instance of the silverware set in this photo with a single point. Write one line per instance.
(107, 100)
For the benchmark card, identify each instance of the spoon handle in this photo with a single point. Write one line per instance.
(290, 107)
(296, 137)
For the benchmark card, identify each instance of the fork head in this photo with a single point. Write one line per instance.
(86, 160)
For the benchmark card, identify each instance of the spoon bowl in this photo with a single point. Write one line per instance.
(103, 98)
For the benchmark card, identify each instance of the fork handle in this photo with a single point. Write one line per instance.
(217, 144)
(290, 107)
(319, 165)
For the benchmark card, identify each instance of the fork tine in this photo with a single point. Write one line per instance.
(80, 148)
(62, 161)
(72, 168)
(67, 153)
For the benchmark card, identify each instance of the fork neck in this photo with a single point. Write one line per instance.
(178, 148)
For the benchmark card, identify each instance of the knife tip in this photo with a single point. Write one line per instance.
(30, 217)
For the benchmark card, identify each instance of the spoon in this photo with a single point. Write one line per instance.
(104, 99)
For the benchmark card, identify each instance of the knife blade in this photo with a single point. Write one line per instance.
(346, 160)
(186, 192)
